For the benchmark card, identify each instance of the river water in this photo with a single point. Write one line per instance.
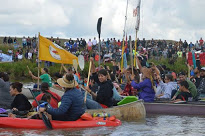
(153, 125)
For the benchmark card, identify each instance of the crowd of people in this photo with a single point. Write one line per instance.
(110, 48)
(107, 86)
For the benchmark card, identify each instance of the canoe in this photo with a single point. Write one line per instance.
(133, 111)
(164, 108)
(7, 122)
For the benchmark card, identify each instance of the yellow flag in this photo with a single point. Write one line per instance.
(50, 51)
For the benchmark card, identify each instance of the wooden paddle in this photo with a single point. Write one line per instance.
(75, 65)
(44, 117)
(29, 70)
(88, 81)
(81, 62)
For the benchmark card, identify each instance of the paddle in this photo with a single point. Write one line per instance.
(81, 62)
(88, 81)
(44, 117)
(99, 31)
(75, 65)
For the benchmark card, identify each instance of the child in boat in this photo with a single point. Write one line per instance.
(20, 102)
(44, 102)
(184, 94)
(55, 98)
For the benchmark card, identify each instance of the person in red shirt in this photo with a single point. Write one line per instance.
(97, 57)
(119, 43)
(55, 98)
(201, 42)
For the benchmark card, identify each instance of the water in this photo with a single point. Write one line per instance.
(152, 126)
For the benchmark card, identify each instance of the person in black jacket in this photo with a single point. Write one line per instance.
(20, 101)
(104, 94)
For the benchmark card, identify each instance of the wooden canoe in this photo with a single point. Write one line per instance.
(133, 111)
(189, 108)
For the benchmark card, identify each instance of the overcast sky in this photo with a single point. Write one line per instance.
(160, 19)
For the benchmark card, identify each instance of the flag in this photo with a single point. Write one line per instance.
(50, 51)
(136, 12)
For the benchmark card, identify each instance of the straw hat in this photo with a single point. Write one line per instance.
(63, 82)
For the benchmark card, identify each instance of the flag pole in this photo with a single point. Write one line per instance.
(123, 43)
(135, 49)
(137, 28)
(38, 61)
(131, 56)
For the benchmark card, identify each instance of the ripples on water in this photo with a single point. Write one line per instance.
(152, 126)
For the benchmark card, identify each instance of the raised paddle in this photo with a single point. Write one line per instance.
(44, 117)
(81, 62)
(99, 32)
(75, 65)
(87, 81)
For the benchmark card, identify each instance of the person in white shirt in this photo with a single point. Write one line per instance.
(30, 55)
(89, 47)
(167, 87)
(20, 56)
(94, 42)
(24, 42)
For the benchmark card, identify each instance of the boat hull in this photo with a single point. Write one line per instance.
(133, 111)
(7, 122)
(174, 109)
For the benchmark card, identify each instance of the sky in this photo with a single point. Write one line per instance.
(159, 19)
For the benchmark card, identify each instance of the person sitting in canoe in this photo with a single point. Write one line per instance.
(129, 90)
(184, 93)
(192, 87)
(167, 87)
(55, 98)
(20, 102)
(104, 95)
(201, 88)
(44, 101)
(45, 77)
(6, 98)
(146, 86)
(71, 107)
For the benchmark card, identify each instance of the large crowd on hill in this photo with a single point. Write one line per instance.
(110, 48)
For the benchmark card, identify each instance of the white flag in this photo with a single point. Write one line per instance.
(137, 12)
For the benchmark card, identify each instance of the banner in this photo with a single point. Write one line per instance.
(50, 51)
